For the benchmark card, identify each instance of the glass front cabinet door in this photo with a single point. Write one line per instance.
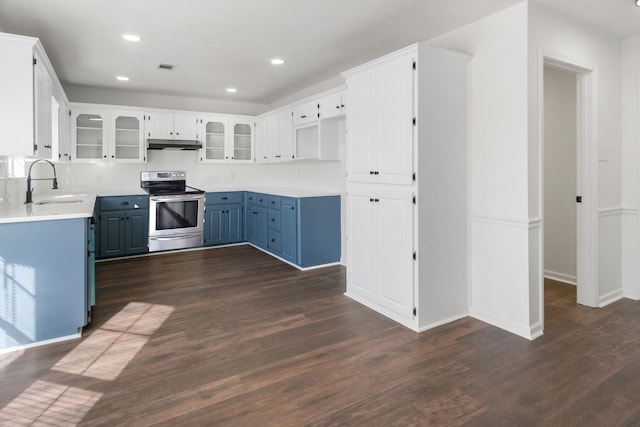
(89, 135)
(242, 143)
(227, 140)
(104, 135)
(127, 137)
(215, 136)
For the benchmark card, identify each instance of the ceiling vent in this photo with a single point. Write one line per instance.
(167, 67)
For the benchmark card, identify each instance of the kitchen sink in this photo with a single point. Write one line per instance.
(58, 201)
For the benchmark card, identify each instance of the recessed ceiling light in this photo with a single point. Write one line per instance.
(232, 90)
(638, 3)
(131, 37)
(280, 61)
(123, 78)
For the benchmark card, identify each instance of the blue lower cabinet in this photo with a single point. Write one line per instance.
(136, 231)
(224, 218)
(318, 229)
(289, 229)
(223, 224)
(304, 231)
(122, 226)
(257, 226)
(43, 287)
(234, 223)
(274, 242)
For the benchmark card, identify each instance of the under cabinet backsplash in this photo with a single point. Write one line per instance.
(125, 177)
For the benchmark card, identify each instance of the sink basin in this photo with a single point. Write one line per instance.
(58, 201)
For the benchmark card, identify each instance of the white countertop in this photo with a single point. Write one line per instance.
(57, 207)
(64, 206)
(286, 192)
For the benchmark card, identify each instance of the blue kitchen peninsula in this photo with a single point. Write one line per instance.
(47, 276)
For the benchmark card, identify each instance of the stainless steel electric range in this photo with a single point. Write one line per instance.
(176, 211)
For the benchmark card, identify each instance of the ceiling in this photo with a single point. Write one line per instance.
(216, 44)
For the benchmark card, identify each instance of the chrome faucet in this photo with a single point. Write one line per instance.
(29, 189)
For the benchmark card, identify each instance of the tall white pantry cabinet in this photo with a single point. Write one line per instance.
(407, 186)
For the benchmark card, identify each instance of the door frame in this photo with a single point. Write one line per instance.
(587, 174)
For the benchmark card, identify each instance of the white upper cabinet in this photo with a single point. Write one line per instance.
(241, 139)
(172, 126)
(214, 145)
(380, 122)
(275, 138)
(331, 106)
(89, 134)
(43, 110)
(227, 139)
(27, 81)
(107, 135)
(305, 114)
(126, 137)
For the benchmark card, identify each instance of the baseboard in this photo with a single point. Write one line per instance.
(313, 267)
(524, 331)
(634, 295)
(561, 277)
(411, 324)
(39, 343)
(443, 322)
(610, 298)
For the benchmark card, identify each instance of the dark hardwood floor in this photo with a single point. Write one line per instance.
(251, 341)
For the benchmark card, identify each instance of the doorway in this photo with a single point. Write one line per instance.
(569, 196)
(560, 175)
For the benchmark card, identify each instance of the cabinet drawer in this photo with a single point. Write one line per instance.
(123, 202)
(222, 198)
(257, 199)
(274, 241)
(273, 202)
(273, 219)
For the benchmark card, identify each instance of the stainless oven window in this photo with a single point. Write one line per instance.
(171, 215)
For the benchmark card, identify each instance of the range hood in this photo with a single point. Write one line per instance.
(173, 144)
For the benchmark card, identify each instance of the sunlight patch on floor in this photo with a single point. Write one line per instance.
(48, 404)
(107, 351)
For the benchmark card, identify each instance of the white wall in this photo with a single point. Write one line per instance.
(630, 160)
(499, 228)
(560, 174)
(552, 34)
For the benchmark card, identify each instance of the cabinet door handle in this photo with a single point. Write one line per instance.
(376, 173)
(338, 107)
(260, 200)
(124, 203)
(273, 240)
(292, 207)
(226, 198)
(377, 200)
(371, 172)
(273, 220)
(303, 117)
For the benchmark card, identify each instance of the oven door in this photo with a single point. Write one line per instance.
(176, 215)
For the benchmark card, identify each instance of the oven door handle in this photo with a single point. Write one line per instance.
(176, 198)
(175, 237)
